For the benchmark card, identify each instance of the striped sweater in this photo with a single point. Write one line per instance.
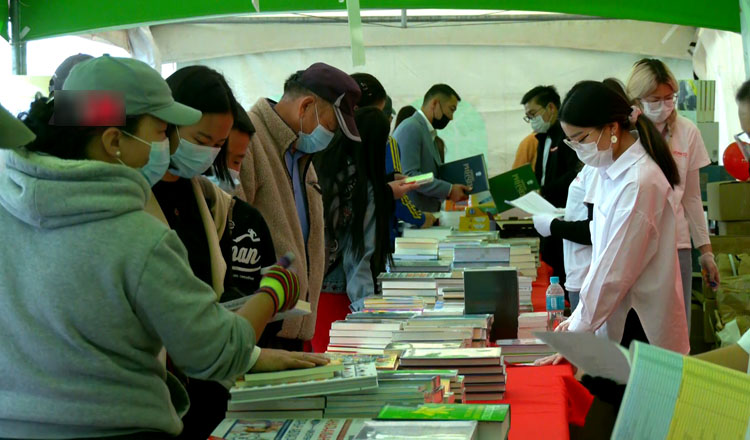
(405, 210)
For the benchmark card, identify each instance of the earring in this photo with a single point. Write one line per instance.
(117, 153)
(613, 139)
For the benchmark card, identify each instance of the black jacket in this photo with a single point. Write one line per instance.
(562, 166)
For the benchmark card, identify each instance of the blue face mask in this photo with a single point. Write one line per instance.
(316, 141)
(158, 160)
(191, 159)
(224, 184)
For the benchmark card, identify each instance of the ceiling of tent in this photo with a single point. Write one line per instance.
(49, 18)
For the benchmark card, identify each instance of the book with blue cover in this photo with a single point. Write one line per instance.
(469, 171)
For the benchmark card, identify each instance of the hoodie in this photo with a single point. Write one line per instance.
(91, 288)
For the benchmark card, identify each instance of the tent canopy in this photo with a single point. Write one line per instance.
(49, 18)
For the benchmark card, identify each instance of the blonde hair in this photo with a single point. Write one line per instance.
(646, 76)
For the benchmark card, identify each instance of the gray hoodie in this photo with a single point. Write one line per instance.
(91, 287)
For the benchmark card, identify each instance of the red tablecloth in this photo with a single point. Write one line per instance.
(543, 401)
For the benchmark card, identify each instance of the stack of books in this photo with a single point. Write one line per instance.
(377, 303)
(421, 430)
(531, 242)
(481, 257)
(494, 420)
(366, 332)
(447, 247)
(482, 368)
(420, 266)
(416, 249)
(477, 327)
(388, 361)
(524, 260)
(279, 386)
(451, 381)
(523, 351)
(525, 290)
(403, 388)
(531, 322)
(292, 429)
(294, 408)
(436, 232)
(411, 284)
(451, 289)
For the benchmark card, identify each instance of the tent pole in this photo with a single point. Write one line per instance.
(18, 46)
(403, 18)
(745, 25)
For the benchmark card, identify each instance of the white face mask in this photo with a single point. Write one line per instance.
(590, 154)
(658, 111)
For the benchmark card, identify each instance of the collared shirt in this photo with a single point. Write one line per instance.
(634, 255)
(577, 256)
(292, 165)
(433, 132)
(547, 146)
(690, 155)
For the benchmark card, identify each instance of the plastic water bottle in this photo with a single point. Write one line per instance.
(555, 303)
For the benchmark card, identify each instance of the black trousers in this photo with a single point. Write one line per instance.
(633, 330)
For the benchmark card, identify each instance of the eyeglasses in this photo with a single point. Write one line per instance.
(655, 99)
(573, 144)
(537, 112)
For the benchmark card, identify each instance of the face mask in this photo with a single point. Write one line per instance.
(439, 124)
(158, 160)
(591, 155)
(539, 125)
(191, 160)
(226, 185)
(659, 111)
(316, 141)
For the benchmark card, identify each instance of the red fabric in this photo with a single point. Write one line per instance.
(539, 288)
(543, 400)
(331, 307)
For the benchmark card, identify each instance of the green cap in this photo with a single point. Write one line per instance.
(13, 133)
(145, 91)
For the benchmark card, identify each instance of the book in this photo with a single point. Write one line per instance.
(353, 377)
(302, 308)
(420, 266)
(412, 430)
(374, 325)
(483, 253)
(421, 179)
(435, 232)
(470, 171)
(452, 357)
(292, 376)
(512, 185)
(302, 403)
(494, 420)
(317, 429)
(523, 346)
(382, 361)
(494, 291)
(280, 414)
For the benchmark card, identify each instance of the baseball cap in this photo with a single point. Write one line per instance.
(388, 109)
(63, 70)
(13, 133)
(143, 89)
(336, 87)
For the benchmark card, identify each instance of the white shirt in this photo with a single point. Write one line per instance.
(577, 256)
(690, 155)
(634, 255)
(433, 132)
(545, 156)
(744, 343)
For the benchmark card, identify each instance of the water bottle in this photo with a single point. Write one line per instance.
(555, 303)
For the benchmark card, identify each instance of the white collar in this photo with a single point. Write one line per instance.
(433, 132)
(626, 160)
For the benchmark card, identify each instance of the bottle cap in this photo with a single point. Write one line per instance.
(554, 280)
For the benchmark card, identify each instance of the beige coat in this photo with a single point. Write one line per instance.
(266, 184)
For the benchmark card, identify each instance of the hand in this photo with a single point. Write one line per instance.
(550, 360)
(563, 327)
(429, 220)
(282, 285)
(709, 270)
(398, 176)
(400, 188)
(543, 224)
(277, 360)
(459, 193)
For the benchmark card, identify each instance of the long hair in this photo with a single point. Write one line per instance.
(646, 76)
(368, 160)
(596, 104)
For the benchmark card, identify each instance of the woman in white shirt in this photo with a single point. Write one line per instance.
(653, 88)
(634, 252)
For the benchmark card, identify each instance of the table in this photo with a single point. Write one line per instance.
(543, 401)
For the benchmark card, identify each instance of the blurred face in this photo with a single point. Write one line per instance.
(445, 107)
(744, 115)
(211, 131)
(664, 93)
(313, 112)
(133, 152)
(532, 109)
(237, 149)
(586, 135)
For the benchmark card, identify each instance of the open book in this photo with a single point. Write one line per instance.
(668, 395)
(535, 204)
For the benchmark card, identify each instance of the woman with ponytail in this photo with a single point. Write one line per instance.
(653, 86)
(634, 252)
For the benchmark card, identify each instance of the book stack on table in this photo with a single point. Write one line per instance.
(416, 249)
(482, 368)
(473, 329)
(525, 289)
(378, 303)
(524, 260)
(523, 351)
(531, 322)
(412, 284)
(493, 420)
(481, 257)
(531, 242)
(366, 330)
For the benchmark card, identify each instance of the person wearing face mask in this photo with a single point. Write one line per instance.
(653, 87)
(416, 140)
(279, 179)
(111, 285)
(634, 275)
(225, 172)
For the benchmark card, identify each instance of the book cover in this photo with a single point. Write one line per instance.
(512, 185)
(470, 171)
(405, 430)
(316, 429)
(480, 413)
(494, 291)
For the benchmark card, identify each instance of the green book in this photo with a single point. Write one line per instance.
(512, 185)
(494, 420)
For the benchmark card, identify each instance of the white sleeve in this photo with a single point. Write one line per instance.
(625, 256)
(693, 204)
(744, 342)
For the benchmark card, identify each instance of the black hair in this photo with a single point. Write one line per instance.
(243, 124)
(293, 88)
(657, 68)
(743, 94)
(442, 91)
(596, 104)
(65, 142)
(372, 90)
(542, 95)
(367, 158)
(405, 113)
(205, 89)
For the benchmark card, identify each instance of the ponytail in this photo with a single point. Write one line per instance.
(656, 147)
